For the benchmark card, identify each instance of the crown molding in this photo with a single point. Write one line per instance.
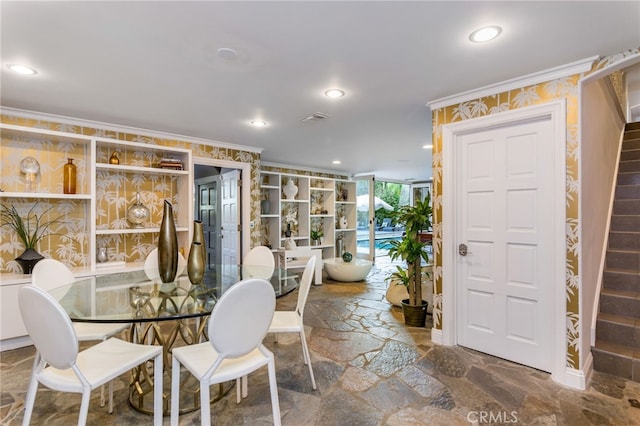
(577, 67)
(33, 115)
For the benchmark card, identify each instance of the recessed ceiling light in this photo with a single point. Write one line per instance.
(258, 123)
(336, 161)
(429, 146)
(21, 69)
(485, 34)
(334, 93)
(227, 53)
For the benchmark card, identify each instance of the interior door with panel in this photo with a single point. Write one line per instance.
(505, 232)
(207, 196)
(230, 221)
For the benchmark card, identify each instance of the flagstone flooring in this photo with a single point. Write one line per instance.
(370, 370)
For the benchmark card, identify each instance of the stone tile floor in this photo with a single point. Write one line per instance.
(370, 369)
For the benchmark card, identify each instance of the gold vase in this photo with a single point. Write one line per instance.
(195, 263)
(198, 237)
(167, 245)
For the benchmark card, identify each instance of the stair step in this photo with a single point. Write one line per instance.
(620, 280)
(629, 178)
(625, 222)
(630, 144)
(626, 207)
(627, 192)
(632, 126)
(629, 153)
(624, 260)
(629, 166)
(624, 240)
(620, 302)
(618, 329)
(615, 359)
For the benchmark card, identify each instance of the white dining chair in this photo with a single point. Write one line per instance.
(237, 326)
(292, 321)
(151, 265)
(259, 263)
(49, 274)
(62, 367)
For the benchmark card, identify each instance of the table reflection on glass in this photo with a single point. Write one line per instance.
(167, 314)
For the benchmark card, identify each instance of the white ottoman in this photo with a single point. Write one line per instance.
(339, 270)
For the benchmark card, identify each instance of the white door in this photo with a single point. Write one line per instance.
(504, 217)
(230, 221)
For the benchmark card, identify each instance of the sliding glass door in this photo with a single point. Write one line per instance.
(365, 217)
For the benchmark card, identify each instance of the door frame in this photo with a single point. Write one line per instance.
(245, 195)
(556, 112)
(371, 179)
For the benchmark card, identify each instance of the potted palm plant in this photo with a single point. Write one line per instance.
(30, 229)
(411, 249)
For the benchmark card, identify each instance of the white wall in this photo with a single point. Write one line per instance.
(633, 93)
(601, 129)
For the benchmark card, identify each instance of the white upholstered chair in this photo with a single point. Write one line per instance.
(49, 274)
(259, 263)
(61, 367)
(237, 325)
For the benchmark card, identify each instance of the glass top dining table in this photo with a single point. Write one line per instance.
(166, 314)
(126, 297)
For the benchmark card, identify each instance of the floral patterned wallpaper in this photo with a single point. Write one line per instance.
(563, 88)
(70, 244)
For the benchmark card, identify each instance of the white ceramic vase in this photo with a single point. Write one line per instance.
(290, 190)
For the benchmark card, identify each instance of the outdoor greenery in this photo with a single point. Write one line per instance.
(30, 229)
(411, 249)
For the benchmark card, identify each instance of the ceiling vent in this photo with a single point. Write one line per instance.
(316, 116)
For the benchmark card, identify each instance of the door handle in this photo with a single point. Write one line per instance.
(462, 250)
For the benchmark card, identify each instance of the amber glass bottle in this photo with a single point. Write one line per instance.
(69, 183)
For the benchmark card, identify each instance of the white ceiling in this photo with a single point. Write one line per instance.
(154, 65)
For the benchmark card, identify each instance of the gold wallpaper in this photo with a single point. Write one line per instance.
(564, 88)
(70, 244)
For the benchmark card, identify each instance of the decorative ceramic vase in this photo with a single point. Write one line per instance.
(102, 254)
(138, 214)
(265, 206)
(69, 181)
(290, 244)
(339, 246)
(28, 259)
(198, 237)
(114, 158)
(343, 222)
(195, 263)
(347, 257)
(290, 190)
(167, 245)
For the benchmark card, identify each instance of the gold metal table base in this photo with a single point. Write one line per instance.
(168, 334)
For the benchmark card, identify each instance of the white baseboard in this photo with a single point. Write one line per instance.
(15, 343)
(577, 379)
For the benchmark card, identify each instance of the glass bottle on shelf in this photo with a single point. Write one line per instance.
(69, 181)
